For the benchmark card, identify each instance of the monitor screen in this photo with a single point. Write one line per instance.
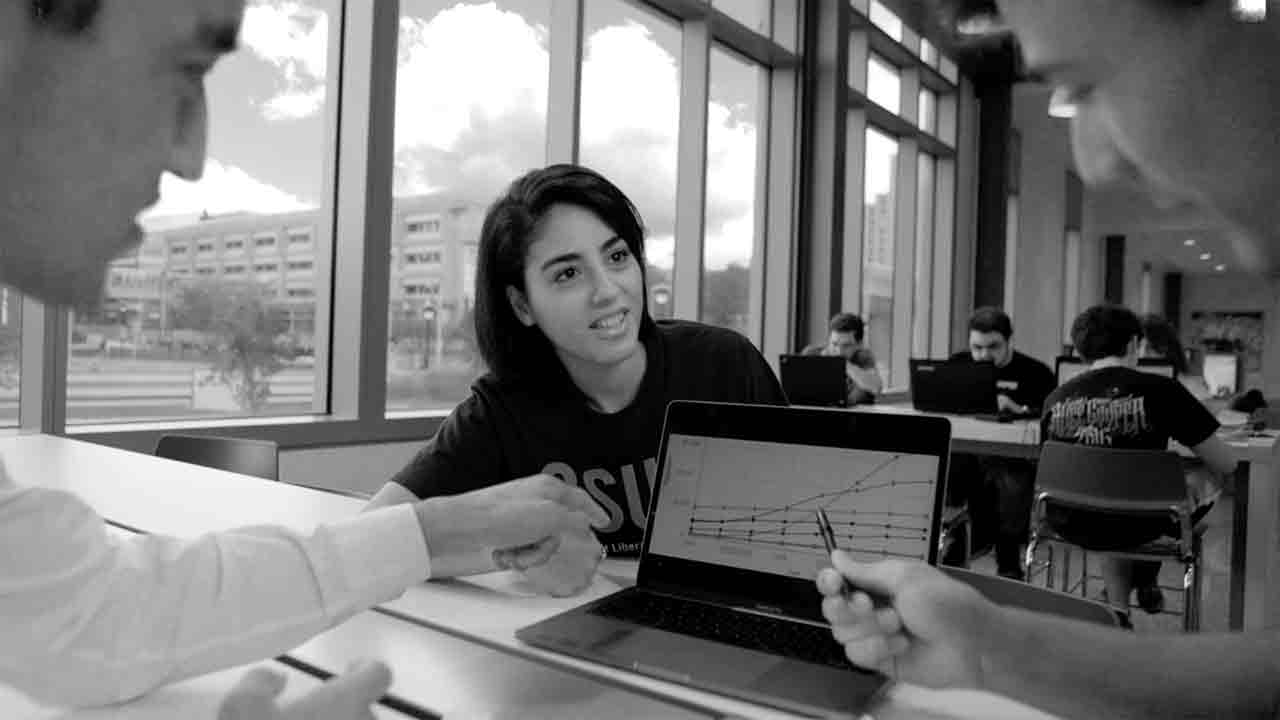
(750, 504)
(1221, 373)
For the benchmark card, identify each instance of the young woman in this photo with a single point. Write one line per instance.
(579, 373)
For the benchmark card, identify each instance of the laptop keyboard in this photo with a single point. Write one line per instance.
(799, 641)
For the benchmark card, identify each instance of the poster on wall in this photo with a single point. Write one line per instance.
(1238, 332)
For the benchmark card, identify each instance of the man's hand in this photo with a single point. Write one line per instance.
(1006, 404)
(345, 697)
(568, 571)
(931, 633)
(518, 524)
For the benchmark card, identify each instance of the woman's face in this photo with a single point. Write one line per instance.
(583, 289)
(1182, 102)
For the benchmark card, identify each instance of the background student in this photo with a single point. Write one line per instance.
(97, 99)
(845, 339)
(1115, 405)
(579, 374)
(999, 498)
(1182, 97)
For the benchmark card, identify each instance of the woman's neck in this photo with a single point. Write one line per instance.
(609, 388)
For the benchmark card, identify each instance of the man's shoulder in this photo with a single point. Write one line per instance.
(1030, 363)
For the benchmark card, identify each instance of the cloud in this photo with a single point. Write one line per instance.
(295, 39)
(222, 189)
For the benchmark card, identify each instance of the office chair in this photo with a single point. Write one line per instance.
(1014, 593)
(1137, 484)
(259, 458)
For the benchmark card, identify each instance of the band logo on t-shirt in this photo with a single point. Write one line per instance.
(1099, 421)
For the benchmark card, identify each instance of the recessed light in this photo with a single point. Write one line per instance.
(1189, 242)
(1206, 256)
(1220, 268)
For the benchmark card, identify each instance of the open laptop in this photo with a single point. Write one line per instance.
(814, 379)
(955, 387)
(724, 598)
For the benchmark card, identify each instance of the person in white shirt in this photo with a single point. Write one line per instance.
(1182, 97)
(97, 99)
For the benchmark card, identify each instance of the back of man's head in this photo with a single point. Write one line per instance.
(69, 16)
(1105, 331)
(991, 320)
(848, 323)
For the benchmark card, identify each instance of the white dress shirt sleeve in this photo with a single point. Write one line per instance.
(88, 617)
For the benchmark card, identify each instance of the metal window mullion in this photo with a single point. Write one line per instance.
(564, 97)
(854, 230)
(756, 268)
(779, 259)
(944, 242)
(691, 171)
(364, 208)
(904, 253)
(42, 390)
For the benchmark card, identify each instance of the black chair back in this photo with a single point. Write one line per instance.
(1014, 593)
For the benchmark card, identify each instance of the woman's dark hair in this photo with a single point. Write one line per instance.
(511, 349)
(1163, 338)
(69, 16)
(1105, 331)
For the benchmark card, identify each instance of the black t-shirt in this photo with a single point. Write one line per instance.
(505, 431)
(1123, 408)
(1025, 380)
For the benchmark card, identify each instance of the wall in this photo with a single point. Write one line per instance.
(1241, 292)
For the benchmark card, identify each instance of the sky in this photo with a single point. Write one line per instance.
(471, 113)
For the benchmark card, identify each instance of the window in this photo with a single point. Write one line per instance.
(879, 246)
(755, 14)
(735, 117)
(470, 116)
(301, 266)
(167, 339)
(10, 355)
(266, 267)
(631, 121)
(233, 270)
(927, 111)
(296, 293)
(928, 53)
(423, 227)
(300, 238)
(885, 19)
(421, 256)
(884, 84)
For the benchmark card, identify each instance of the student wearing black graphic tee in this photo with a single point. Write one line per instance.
(1115, 405)
(999, 500)
(579, 373)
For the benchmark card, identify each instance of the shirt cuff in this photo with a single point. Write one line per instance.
(382, 552)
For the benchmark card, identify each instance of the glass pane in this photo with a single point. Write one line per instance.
(927, 111)
(884, 85)
(10, 355)
(755, 14)
(878, 247)
(631, 121)
(948, 69)
(735, 115)
(922, 303)
(207, 318)
(471, 116)
(886, 20)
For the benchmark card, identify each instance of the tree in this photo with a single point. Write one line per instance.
(246, 323)
(726, 295)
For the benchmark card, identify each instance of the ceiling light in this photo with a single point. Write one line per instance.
(1189, 242)
(1220, 268)
(1206, 256)
(1062, 104)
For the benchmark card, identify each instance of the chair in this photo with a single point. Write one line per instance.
(1137, 484)
(1014, 593)
(259, 458)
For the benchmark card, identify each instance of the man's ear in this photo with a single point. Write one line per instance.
(520, 306)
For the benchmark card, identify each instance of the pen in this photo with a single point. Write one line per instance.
(829, 539)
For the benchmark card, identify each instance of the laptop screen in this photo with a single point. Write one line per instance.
(750, 504)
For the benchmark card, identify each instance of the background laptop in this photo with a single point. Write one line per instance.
(959, 388)
(814, 379)
(724, 598)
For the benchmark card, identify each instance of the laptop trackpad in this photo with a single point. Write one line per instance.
(680, 658)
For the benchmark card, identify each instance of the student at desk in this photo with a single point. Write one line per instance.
(1115, 405)
(97, 99)
(1000, 500)
(844, 338)
(1182, 97)
(579, 375)
(1160, 341)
